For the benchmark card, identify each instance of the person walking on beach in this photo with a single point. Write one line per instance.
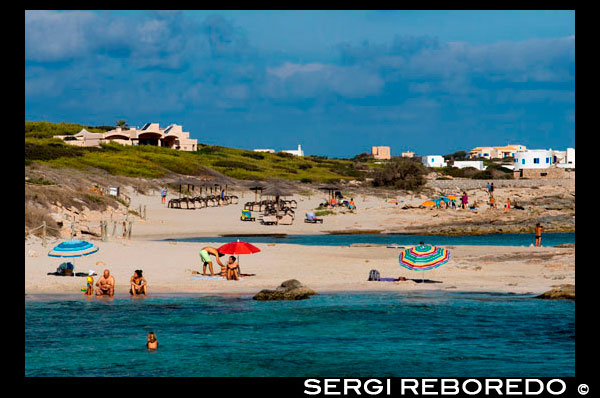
(464, 200)
(492, 189)
(163, 194)
(106, 284)
(138, 284)
(205, 254)
(488, 188)
(538, 234)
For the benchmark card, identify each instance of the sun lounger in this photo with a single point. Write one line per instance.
(286, 219)
(310, 218)
(269, 220)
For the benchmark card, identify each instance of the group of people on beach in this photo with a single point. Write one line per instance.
(231, 270)
(106, 284)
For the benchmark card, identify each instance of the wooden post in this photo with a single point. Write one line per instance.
(44, 234)
(129, 230)
(124, 229)
(144, 212)
(114, 232)
(72, 229)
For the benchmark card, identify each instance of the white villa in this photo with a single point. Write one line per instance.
(494, 152)
(172, 136)
(542, 159)
(433, 161)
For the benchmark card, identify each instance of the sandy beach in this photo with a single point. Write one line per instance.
(168, 266)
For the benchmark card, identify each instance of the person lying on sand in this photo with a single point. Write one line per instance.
(138, 284)
(205, 254)
(106, 284)
(233, 269)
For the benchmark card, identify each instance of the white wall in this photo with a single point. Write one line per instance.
(526, 160)
(433, 161)
(461, 164)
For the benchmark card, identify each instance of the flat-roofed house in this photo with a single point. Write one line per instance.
(172, 137)
(295, 152)
(408, 154)
(381, 152)
(494, 152)
(433, 161)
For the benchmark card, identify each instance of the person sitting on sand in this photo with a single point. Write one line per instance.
(138, 284)
(89, 291)
(106, 284)
(352, 206)
(492, 202)
(474, 205)
(152, 343)
(233, 269)
(205, 254)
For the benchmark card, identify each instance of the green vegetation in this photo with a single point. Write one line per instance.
(401, 173)
(154, 162)
(39, 181)
(320, 213)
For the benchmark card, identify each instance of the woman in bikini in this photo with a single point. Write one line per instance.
(138, 283)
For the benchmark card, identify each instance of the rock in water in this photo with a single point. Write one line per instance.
(289, 290)
(566, 291)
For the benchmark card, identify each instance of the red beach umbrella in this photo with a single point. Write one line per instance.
(238, 248)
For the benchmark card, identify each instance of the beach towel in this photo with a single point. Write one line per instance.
(207, 278)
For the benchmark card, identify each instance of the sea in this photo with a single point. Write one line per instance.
(403, 334)
(548, 239)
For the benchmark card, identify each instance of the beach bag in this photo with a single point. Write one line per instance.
(374, 275)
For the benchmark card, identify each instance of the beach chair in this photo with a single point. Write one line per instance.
(247, 216)
(311, 218)
(286, 219)
(268, 220)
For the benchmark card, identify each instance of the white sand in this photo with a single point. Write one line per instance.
(167, 265)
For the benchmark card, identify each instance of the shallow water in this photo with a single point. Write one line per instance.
(548, 239)
(349, 334)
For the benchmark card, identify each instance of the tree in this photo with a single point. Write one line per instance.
(401, 173)
(122, 123)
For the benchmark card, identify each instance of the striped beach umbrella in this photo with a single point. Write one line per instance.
(423, 257)
(73, 248)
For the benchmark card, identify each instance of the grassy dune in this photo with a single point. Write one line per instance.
(153, 162)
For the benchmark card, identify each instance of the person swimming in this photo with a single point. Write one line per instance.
(152, 343)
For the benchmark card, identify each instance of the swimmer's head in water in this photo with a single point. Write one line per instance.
(151, 337)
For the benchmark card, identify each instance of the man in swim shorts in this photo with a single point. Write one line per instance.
(106, 284)
(205, 254)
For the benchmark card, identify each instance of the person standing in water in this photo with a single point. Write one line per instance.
(152, 343)
(538, 234)
(205, 254)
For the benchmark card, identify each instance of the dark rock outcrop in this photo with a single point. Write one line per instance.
(289, 290)
(566, 291)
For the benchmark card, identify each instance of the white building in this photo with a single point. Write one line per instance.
(533, 159)
(542, 159)
(461, 164)
(265, 150)
(295, 152)
(433, 161)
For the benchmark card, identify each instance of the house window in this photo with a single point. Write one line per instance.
(522, 161)
(536, 160)
(486, 154)
(516, 160)
(547, 160)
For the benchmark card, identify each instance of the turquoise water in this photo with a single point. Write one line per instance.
(548, 239)
(381, 334)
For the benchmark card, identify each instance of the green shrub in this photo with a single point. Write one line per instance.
(253, 155)
(234, 164)
(401, 174)
(306, 180)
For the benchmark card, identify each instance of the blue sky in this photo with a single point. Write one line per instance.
(336, 82)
